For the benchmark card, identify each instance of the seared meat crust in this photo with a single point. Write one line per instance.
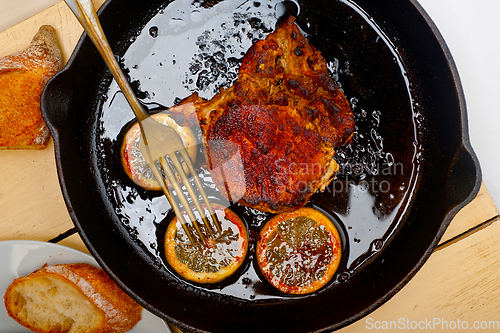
(286, 116)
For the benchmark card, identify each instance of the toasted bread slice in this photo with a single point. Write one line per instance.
(70, 298)
(23, 76)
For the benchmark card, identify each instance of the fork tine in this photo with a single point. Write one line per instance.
(172, 202)
(197, 181)
(180, 195)
(189, 188)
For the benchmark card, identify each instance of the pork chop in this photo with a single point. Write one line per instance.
(284, 114)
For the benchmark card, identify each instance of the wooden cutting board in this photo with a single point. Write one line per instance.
(458, 283)
(59, 16)
(30, 197)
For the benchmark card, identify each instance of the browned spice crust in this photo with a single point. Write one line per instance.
(286, 116)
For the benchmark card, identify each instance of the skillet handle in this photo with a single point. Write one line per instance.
(56, 101)
(464, 179)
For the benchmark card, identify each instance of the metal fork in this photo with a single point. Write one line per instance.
(157, 140)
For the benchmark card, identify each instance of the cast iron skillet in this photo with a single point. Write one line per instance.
(427, 133)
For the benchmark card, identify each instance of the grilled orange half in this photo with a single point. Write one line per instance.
(299, 252)
(213, 260)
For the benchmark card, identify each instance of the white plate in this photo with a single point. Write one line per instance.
(19, 258)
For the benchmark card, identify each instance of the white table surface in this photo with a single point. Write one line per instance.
(470, 28)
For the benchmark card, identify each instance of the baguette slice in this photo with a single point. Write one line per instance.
(70, 298)
(23, 76)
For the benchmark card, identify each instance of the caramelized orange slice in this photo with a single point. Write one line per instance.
(134, 164)
(299, 252)
(215, 259)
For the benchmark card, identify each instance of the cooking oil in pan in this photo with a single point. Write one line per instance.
(198, 47)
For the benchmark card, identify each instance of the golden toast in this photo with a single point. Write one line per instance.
(23, 76)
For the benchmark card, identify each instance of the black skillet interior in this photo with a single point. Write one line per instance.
(396, 70)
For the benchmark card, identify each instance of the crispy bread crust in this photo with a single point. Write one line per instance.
(121, 313)
(23, 76)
